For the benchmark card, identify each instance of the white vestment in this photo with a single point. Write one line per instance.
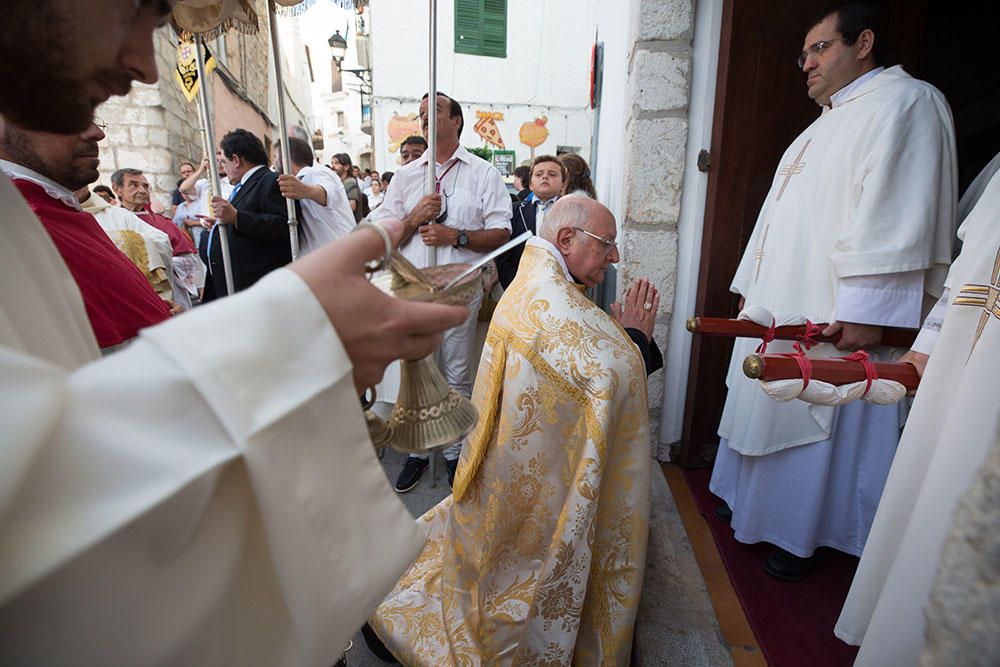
(322, 224)
(857, 226)
(196, 498)
(954, 423)
(114, 220)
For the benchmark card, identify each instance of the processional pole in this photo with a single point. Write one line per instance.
(208, 138)
(432, 115)
(293, 223)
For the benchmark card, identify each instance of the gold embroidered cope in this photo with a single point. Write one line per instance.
(538, 556)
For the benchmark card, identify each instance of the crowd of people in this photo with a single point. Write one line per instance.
(186, 456)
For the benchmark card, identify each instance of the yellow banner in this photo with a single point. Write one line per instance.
(186, 71)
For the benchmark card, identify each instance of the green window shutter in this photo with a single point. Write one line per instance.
(481, 27)
(468, 26)
(495, 28)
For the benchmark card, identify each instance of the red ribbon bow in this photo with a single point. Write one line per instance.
(871, 374)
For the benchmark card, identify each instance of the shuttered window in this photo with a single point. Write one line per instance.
(481, 27)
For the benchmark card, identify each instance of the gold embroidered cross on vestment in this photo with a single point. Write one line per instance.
(759, 253)
(789, 170)
(986, 297)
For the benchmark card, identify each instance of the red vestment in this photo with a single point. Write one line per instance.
(118, 298)
(179, 241)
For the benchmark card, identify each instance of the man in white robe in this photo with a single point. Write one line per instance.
(854, 231)
(223, 529)
(952, 426)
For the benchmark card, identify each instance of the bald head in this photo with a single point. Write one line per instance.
(584, 232)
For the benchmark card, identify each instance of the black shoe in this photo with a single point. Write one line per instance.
(724, 513)
(452, 467)
(787, 566)
(376, 646)
(410, 474)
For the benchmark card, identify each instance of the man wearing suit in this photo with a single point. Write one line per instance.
(254, 218)
(547, 177)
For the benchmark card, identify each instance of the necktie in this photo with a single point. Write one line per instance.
(211, 232)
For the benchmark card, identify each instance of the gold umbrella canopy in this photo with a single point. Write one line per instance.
(211, 18)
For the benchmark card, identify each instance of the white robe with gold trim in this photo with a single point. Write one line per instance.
(954, 422)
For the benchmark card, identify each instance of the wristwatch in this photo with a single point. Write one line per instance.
(463, 239)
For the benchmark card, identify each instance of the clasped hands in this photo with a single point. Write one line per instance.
(634, 313)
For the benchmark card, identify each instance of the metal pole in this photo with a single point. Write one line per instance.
(432, 115)
(286, 160)
(208, 136)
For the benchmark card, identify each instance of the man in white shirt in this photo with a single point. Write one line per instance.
(326, 213)
(197, 185)
(857, 227)
(467, 216)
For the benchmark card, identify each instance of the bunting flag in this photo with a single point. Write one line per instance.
(186, 72)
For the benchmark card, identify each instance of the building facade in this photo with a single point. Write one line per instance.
(154, 128)
(520, 67)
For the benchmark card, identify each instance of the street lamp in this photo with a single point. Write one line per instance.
(338, 47)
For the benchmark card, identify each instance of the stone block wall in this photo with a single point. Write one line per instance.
(659, 70)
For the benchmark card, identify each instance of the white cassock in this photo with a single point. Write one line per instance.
(206, 496)
(857, 227)
(322, 224)
(954, 422)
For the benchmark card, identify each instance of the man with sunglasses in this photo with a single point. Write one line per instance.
(856, 228)
(467, 216)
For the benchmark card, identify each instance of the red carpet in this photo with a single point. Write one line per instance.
(793, 621)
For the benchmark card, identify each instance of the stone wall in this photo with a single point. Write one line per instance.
(154, 128)
(659, 68)
(963, 615)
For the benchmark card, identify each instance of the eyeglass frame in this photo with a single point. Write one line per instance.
(607, 243)
(101, 124)
(815, 49)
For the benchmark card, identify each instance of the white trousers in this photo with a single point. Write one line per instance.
(454, 358)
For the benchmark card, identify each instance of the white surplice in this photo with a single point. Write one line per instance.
(117, 221)
(199, 497)
(954, 422)
(857, 227)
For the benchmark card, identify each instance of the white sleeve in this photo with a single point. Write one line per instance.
(200, 470)
(932, 326)
(889, 300)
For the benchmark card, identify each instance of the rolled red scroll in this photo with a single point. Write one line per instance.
(770, 367)
(721, 326)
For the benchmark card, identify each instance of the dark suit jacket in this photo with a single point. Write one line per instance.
(522, 220)
(258, 244)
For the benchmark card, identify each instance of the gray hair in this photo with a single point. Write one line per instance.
(567, 212)
(118, 178)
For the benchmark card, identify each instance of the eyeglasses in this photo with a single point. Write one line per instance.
(816, 49)
(607, 243)
(101, 124)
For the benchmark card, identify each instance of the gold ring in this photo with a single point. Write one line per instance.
(647, 306)
(377, 265)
